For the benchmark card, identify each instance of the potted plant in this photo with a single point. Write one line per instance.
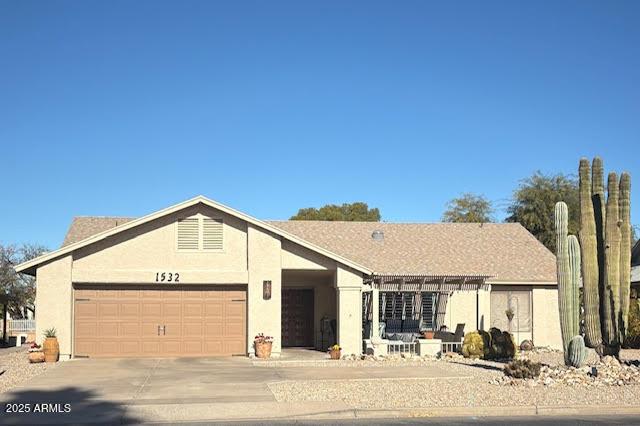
(427, 334)
(35, 353)
(510, 314)
(263, 345)
(50, 346)
(335, 352)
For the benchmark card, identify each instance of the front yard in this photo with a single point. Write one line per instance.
(17, 369)
(480, 383)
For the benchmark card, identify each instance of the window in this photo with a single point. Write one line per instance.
(199, 233)
(519, 302)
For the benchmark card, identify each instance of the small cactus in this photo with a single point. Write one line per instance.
(576, 352)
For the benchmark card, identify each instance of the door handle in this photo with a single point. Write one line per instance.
(164, 330)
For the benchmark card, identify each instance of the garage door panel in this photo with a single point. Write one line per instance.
(171, 310)
(117, 321)
(214, 309)
(151, 309)
(108, 329)
(130, 329)
(130, 309)
(86, 329)
(193, 329)
(87, 309)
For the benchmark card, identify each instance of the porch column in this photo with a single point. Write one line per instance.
(375, 314)
(264, 264)
(348, 283)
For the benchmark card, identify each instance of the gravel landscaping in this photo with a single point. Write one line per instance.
(485, 389)
(17, 368)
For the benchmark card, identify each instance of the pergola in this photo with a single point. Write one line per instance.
(442, 285)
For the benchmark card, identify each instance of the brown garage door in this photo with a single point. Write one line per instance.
(126, 321)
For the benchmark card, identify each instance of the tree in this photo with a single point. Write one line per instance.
(534, 202)
(353, 212)
(20, 288)
(470, 208)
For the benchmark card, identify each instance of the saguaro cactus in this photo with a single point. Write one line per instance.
(568, 269)
(625, 253)
(590, 271)
(605, 233)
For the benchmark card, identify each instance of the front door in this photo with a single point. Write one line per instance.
(297, 317)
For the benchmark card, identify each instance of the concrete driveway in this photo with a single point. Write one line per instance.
(123, 390)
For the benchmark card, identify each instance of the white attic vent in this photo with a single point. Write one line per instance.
(188, 233)
(377, 235)
(199, 233)
(211, 234)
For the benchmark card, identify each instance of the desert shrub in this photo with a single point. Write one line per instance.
(632, 340)
(502, 344)
(522, 369)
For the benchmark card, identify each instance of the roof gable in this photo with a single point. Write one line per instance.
(74, 232)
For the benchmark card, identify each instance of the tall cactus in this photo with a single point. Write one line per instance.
(568, 269)
(590, 272)
(625, 253)
(605, 233)
(611, 301)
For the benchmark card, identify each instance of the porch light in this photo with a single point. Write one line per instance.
(266, 290)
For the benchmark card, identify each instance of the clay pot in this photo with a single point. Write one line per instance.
(35, 357)
(51, 349)
(263, 350)
(428, 334)
(335, 354)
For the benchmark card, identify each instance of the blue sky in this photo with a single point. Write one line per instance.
(123, 108)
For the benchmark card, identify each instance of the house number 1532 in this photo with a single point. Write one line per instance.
(167, 277)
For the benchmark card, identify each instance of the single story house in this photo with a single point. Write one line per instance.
(200, 279)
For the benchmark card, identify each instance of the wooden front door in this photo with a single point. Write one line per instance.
(297, 317)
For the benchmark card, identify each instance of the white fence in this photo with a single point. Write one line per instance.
(21, 326)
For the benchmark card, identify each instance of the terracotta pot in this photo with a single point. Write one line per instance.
(428, 334)
(263, 350)
(51, 349)
(335, 354)
(35, 357)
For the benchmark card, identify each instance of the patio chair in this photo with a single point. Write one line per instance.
(393, 327)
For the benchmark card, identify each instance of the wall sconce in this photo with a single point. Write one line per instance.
(266, 290)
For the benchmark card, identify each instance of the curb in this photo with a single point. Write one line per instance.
(345, 413)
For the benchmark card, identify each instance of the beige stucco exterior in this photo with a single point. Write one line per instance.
(251, 255)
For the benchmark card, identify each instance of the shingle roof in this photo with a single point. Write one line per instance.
(506, 251)
(85, 226)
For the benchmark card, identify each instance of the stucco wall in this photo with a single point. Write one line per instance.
(349, 291)
(546, 318)
(54, 303)
(295, 256)
(135, 255)
(264, 316)
(461, 309)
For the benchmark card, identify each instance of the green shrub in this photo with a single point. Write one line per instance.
(495, 344)
(476, 344)
(632, 340)
(523, 369)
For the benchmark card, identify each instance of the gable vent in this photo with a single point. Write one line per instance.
(211, 234)
(188, 234)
